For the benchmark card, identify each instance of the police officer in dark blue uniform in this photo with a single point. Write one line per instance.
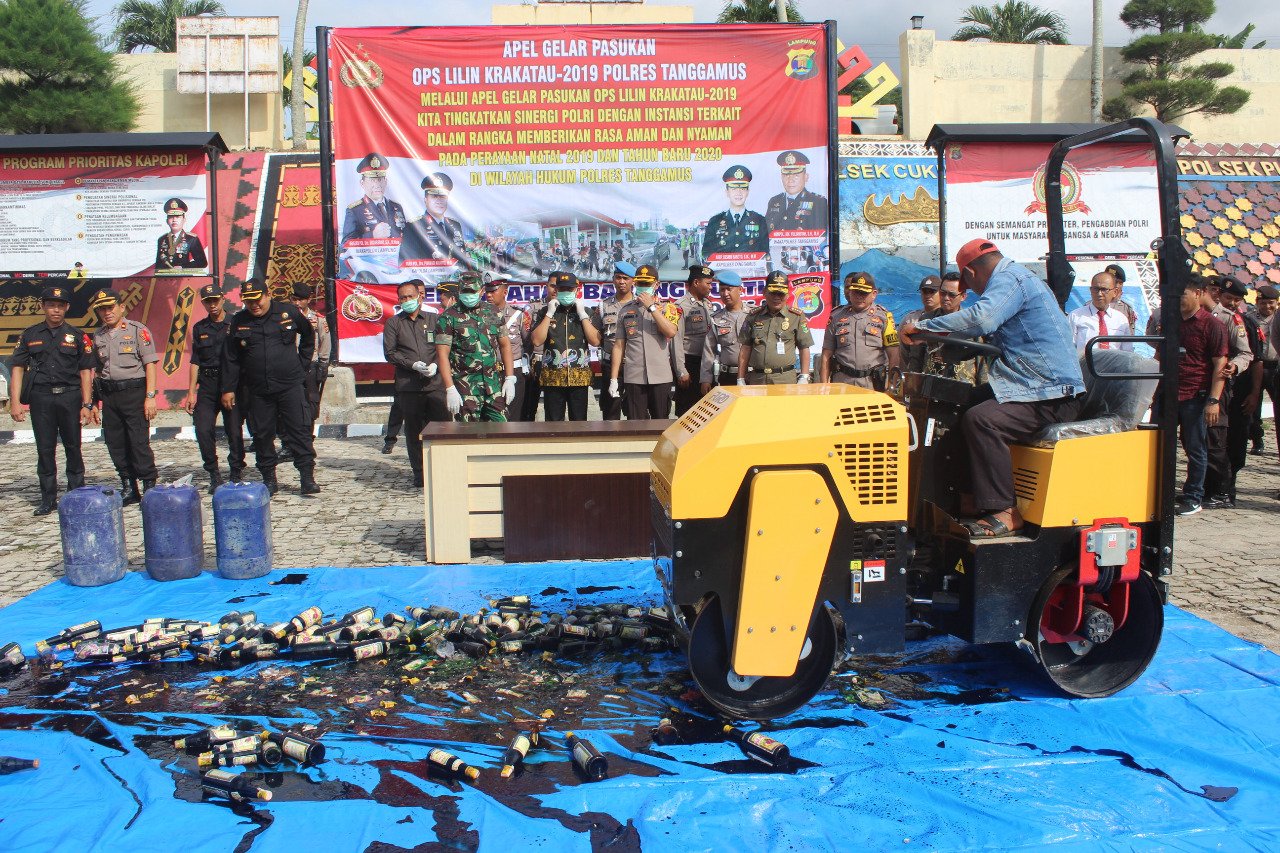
(53, 373)
(269, 348)
(204, 397)
(178, 251)
(736, 229)
(795, 208)
(374, 216)
(433, 235)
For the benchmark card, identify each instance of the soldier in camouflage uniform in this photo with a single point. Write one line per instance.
(474, 356)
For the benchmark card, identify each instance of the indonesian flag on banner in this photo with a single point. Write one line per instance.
(996, 191)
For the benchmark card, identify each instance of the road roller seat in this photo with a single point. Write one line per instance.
(1110, 405)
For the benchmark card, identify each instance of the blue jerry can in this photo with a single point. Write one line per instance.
(172, 532)
(242, 530)
(93, 549)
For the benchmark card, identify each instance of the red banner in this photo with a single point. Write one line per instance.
(516, 151)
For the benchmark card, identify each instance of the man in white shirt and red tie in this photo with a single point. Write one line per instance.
(1098, 318)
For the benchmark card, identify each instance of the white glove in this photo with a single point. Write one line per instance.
(427, 370)
(509, 389)
(582, 310)
(613, 388)
(742, 382)
(802, 379)
(453, 400)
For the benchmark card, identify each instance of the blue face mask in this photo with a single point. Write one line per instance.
(469, 300)
(409, 307)
(565, 297)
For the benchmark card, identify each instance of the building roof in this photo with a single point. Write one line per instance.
(112, 141)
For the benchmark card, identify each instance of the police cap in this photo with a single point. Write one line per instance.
(175, 207)
(624, 268)
(698, 271)
(104, 298)
(449, 288)
(1266, 291)
(437, 183)
(301, 290)
(1117, 272)
(210, 291)
(776, 282)
(729, 278)
(55, 294)
(737, 176)
(491, 286)
(1233, 286)
(647, 274)
(860, 282)
(931, 282)
(252, 290)
(373, 166)
(563, 281)
(792, 162)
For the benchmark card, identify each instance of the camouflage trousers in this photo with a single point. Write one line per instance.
(482, 398)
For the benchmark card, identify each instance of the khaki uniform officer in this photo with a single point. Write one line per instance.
(770, 338)
(696, 311)
(127, 384)
(606, 320)
(721, 345)
(861, 343)
(642, 350)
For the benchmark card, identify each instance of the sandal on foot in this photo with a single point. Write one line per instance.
(988, 527)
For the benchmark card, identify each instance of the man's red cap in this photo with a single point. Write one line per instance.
(973, 250)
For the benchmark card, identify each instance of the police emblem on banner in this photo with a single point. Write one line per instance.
(362, 305)
(800, 59)
(806, 294)
(1072, 187)
(361, 74)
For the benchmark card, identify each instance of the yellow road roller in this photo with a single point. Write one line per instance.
(779, 507)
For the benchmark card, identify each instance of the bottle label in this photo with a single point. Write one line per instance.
(219, 734)
(238, 759)
(13, 654)
(764, 742)
(444, 759)
(581, 754)
(295, 749)
(219, 776)
(249, 742)
(369, 650)
(521, 745)
(632, 632)
(576, 630)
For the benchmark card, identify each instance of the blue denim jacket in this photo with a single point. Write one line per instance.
(1019, 314)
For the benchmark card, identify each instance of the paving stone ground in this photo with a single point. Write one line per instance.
(1227, 561)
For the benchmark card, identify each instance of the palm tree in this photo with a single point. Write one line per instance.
(140, 23)
(1015, 22)
(757, 12)
(297, 108)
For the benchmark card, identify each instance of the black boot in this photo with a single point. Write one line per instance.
(147, 485)
(269, 480)
(215, 480)
(129, 492)
(237, 475)
(48, 503)
(307, 479)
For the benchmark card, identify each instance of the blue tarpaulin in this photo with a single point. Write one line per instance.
(970, 750)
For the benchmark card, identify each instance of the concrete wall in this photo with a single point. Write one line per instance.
(979, 82)
(165, 111)
(591, 13)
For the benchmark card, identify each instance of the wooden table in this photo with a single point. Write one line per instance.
(464, 465)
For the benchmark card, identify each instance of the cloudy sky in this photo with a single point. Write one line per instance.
(878, 34)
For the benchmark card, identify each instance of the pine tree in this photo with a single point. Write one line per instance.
(54, 75)
(1169, 82)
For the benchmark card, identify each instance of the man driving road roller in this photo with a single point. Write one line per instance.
(1037, 380)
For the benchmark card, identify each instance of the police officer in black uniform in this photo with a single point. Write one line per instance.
(270, 347)
(204, 397)
(178, 251)
(53, 373)
(433, 235)
(795, 208)
(374, 216)
(736, 229)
